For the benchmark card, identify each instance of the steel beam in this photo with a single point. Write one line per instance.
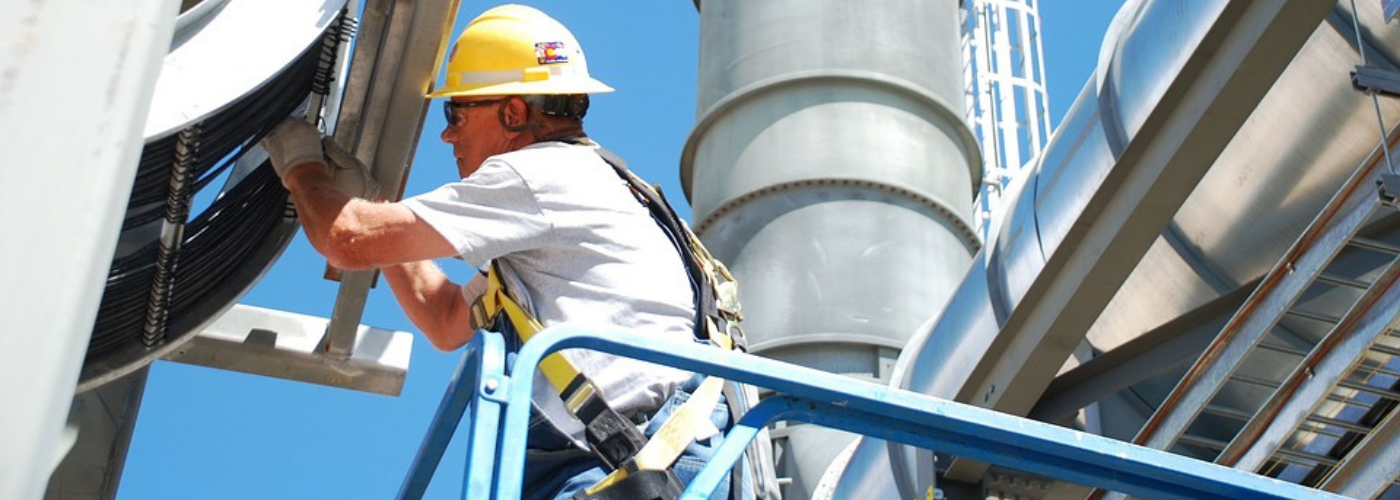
(291, 346)
(72, 180)
(1339, 222)
(105, 418)
(1150, 354)
(1229, 72)
(381, 118)
(1329, 363)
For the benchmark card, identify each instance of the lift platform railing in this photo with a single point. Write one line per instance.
(498, 402)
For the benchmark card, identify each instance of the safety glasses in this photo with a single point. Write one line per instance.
(450, 107)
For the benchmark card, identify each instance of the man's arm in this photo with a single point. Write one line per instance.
(354, 233)
(436, 305)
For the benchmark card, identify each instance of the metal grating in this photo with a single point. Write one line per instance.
(1303, 381)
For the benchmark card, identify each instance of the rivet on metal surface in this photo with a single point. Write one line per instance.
(496, 389)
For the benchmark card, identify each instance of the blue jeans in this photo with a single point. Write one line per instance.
(558, 475)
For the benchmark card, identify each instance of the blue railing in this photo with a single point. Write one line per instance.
(499, 406)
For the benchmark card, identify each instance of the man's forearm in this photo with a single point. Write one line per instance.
(432, 302)
(337, 224)
(317, 200)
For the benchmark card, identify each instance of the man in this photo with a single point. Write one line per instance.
(566, 232)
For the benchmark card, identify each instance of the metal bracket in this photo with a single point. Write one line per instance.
(381, 117)
(1388, 188)
(1007, 484)
(1373, 80)
(495, 388)
(288, 346)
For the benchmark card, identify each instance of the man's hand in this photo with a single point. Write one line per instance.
(351, 175)
(293, 142)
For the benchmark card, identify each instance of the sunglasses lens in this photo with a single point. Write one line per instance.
(448, 113)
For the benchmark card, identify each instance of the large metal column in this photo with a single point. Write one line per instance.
(76, 79)
(832, 170)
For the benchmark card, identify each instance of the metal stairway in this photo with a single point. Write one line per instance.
(1301, 383)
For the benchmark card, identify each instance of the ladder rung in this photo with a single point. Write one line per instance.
(1332, 279)
(1325, 318)
(1283, 349)
(1293, 461)
(1228, 412)
(1207, 443)
(1303, 455)
(1385, 349)
(1378, 370)
(1365, 373)
(1379, 391)
(1322, 430)
(1269, 384)
(1375, 245)
(1337, 398)
(1342, 424)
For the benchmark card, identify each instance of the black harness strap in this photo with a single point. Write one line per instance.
(671, 224)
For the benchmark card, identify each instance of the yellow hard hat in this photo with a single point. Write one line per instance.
(517, 50)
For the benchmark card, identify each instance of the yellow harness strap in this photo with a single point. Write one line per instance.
(562, 375)
(689, 423)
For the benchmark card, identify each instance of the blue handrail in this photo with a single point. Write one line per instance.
(479, 377)
(843, 403)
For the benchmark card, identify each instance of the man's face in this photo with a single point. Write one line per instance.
(477, 133)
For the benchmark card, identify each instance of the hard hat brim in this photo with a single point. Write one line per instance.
(577, 85)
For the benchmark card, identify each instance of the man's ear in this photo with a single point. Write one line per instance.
(515, 114)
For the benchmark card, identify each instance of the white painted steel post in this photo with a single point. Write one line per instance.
(76, 80)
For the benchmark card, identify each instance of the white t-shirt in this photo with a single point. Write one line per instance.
(572, 238)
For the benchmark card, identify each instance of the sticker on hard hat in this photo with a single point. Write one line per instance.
(550, 53)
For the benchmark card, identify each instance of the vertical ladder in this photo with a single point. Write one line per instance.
(1303, 376)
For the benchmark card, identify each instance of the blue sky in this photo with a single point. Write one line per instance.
(212, 434)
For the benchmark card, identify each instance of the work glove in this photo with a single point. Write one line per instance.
(351, 175)
(291, 143)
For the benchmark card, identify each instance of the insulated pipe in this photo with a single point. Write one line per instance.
(1279, 168)
(832, 171)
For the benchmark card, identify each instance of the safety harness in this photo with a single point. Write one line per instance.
(640, 468)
